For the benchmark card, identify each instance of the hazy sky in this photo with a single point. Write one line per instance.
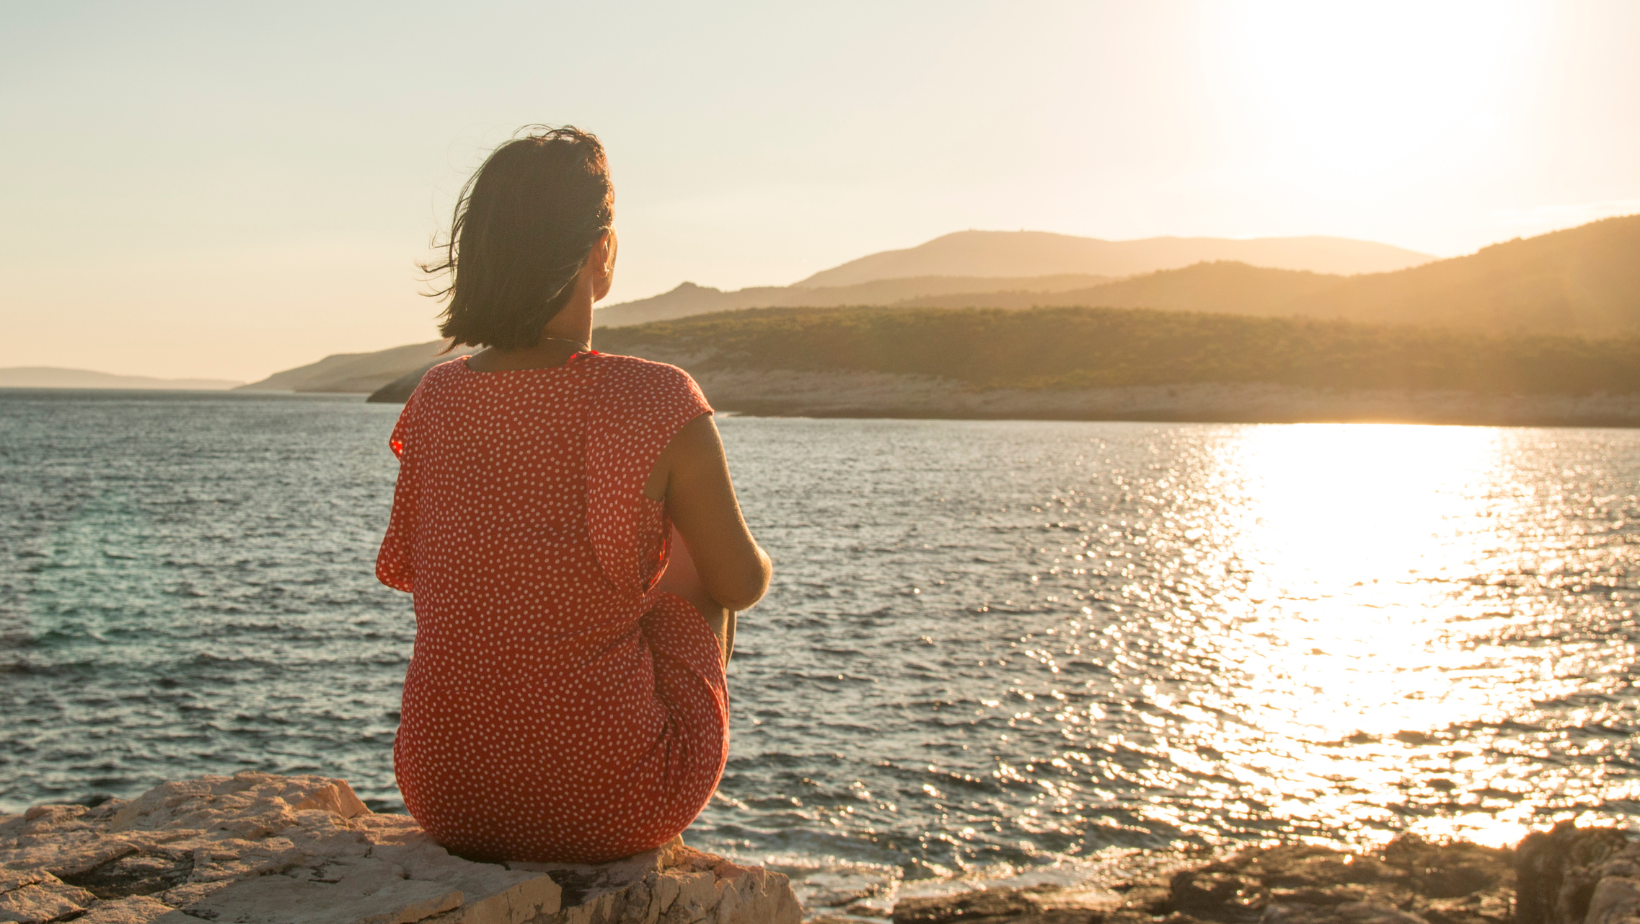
(208, 190)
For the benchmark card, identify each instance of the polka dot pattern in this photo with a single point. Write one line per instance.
(557, 708)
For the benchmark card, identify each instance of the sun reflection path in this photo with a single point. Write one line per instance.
(1030, 642)
(1356, 638)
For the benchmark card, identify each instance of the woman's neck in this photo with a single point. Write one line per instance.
(569, 332)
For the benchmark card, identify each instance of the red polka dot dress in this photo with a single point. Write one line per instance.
(557, 707)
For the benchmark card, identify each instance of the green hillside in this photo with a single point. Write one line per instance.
(689, 299)
(1219, 287)
(1584, 280)
(1004, 269)
(1066, 347)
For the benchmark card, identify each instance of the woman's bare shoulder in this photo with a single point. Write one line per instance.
(635, 374)
(642, 368)
(436, 382)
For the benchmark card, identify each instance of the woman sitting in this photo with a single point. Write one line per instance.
(566, 523)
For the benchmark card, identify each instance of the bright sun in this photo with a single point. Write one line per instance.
(1330, 93)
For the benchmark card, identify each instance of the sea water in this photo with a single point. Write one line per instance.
(989, 645)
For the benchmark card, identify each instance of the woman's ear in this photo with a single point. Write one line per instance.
(601, 265)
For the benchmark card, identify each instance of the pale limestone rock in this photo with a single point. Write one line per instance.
(1616, 900)
(363, 891)
(1031, 905)
(58, 838)
(190, 893)
(133, 909)
(1346, 913)
(45, 899)
(11, 879)
(233, 802)
(672, 885)
(260, 849)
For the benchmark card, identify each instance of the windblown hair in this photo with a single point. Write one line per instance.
(523, 227)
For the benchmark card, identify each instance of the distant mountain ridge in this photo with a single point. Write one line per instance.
(690, 299)
(1582, 282)
(1012, 261)
(1222, 288)
(1037, 253)
(354, 372)
(55, 377)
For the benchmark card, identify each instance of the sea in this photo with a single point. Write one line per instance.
(992, 650)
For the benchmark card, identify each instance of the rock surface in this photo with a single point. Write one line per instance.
(260, 849)
(1567, 876)
(1575, 875)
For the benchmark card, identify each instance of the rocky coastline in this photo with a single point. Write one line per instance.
(261, 849)
(790, 393)
(1569, 875)
(793, 393)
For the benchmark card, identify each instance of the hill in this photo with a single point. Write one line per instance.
(1060, 348)
(1580, 282)
(352, 372)
(1583, 280)
(53, 377)
(1037, 253)
(689, 299)
(1223, 287)
(990, 262)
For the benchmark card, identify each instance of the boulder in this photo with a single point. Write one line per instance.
(1033, 905)
(261, 849)
(1573, 875)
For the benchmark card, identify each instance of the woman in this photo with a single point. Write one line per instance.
(566, 523)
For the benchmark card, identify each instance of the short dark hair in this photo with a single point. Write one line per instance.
(523, 227)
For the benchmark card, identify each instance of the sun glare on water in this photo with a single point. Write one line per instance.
(1326, 504)
(1355, 646)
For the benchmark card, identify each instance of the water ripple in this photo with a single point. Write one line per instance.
(990, 645)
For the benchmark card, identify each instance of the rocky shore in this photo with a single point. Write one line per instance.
(791, 393)
(260, 849)
(788, 393)
(1567, 876)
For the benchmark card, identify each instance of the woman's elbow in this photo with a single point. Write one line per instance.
(746, 586)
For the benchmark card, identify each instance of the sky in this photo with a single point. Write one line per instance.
(226, 190)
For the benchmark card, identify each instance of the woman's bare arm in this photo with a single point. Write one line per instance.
(692, 477)
(682, 579)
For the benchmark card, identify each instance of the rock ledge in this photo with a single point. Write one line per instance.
(261, 849)
(1569, 875)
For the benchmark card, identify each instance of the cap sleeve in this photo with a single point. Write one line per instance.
(393, 558)
(636, 410)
